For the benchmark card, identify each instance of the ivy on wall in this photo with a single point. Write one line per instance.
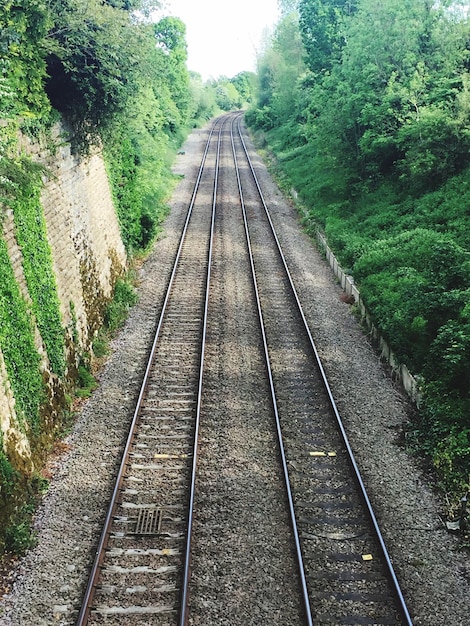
(17, 339)
(17, 345)
(37, 267)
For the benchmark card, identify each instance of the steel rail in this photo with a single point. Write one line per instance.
(357, 474)
(187, 562)
(301, 568)
(85, 609)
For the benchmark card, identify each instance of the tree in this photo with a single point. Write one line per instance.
(203, 98)
(23, 27)
(384, 92)
(226, 94)
(288, 6)
(170, 33)
(279, 85)
(392, 77)
(137, 145)
(244, 83)
(322, 26)
(94, 53)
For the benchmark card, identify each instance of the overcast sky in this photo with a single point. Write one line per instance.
(215, 49)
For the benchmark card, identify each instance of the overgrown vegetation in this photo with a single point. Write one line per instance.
(374, 134)
(37, 266)
(117, 310)
(115, 74)
(18, 348)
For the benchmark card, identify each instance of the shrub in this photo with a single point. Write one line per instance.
(125, 296)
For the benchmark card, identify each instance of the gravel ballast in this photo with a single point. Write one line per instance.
(47, 584)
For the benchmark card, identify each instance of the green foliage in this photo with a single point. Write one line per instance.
(227, 96)
(37, 266)
(261, 119)
(245, 84)
(203, 98)
(19, 535)
(8, 475)
(23, 27)
(122, 166)
(17, 345)
(449, 361)
(322, 28)
(86, 382)
(170, 33)
(9, 479)
(124, 297)
(138, 148)
(372, 128)
(389, 96)
(100, 346)
(140, 177)
(452, 460)
(92, 64)
(221, 94)
(12, 166)
(414, 283)
(279, 87)
(442, 435)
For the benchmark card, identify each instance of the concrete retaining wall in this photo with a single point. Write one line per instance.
(407, 380)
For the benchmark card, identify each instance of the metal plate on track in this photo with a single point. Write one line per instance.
(149, 522)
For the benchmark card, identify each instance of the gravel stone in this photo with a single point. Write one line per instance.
(47, 584)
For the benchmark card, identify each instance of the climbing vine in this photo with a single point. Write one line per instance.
(17, 345)
(37, 266)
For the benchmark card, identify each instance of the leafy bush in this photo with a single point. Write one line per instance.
(8, 475)
(433, 149)
(413, 283)
(24, 25)
(19, 535)
(86, 382)
(100, 346)
(91, 64)
(261, 119)
(125, 296)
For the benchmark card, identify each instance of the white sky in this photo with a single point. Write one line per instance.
(215, 49)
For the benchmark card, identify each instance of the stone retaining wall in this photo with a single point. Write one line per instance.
(88, 255)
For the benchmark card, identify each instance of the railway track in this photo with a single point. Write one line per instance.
(139, 559)
(337, 566)
(350, 575)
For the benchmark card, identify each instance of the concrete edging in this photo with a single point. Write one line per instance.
(400, 371)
